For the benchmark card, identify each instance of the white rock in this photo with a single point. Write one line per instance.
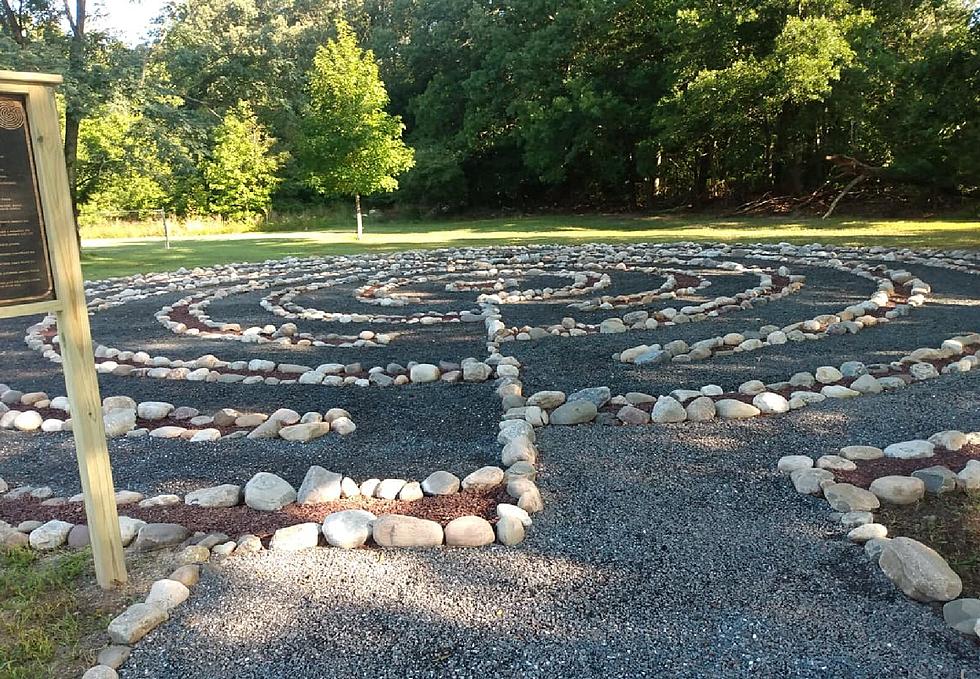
(268, 492)
(910, 450)
(348, 529)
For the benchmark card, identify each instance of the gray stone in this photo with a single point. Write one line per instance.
(226, 495)
(388, 489)
(668, 409)
(937, 479)
(50, 535)
(701, 409)
(100, 672)
(319, 485)
(861, 453)
(962, 615)
(114, 656)
(154, 536)
(919, 571)
(809, 481)
(867, 531)
(304, 433)
(910, 450)
(599, 396)
(510, 530)
(268, 493)
(574, 412)
(844, 497)
(444, 483)
(790, 463)
(135, 623)
(732, 409)
(348, 529)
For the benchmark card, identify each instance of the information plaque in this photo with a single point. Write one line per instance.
(25, 272)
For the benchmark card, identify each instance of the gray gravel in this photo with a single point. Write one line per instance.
(662, 551)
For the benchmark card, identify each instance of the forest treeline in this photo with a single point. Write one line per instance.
(519, 103)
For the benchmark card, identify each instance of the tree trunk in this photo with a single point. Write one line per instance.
(360, 221)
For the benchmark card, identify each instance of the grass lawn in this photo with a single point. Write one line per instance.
(47, 620)
(104, 258)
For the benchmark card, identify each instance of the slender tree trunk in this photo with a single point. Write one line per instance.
(360, 221)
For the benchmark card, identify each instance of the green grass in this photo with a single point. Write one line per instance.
(41, 620)
(122, 257)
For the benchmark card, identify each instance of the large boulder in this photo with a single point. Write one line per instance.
(268, 493)
(919, 571)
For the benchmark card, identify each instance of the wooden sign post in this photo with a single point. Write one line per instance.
(40, 272)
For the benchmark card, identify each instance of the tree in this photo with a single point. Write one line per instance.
(350, 145)
(241, 173)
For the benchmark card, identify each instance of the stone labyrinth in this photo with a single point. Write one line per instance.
(415, 399)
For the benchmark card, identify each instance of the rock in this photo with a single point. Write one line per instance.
(969, 476)
(348, 529)
(835, 463)
(574, 412)
(861, 453)
(898, 490)
(510, 530)
(248, 544)
(114, 656)
(444, 483)
(910, 450)
(770, 403)
(388, 489)
(100, 672)
(295, 538)
(29, 420)
(165, 500)
(424, 372)
(484, 479)
(304, 433)
(268, 493)
(701, 409)
(854, 519)
(868, 531)
(50, 535)
(167, 594)
(118, 422)
(950, 440)
(469, 531)
(920, 572)
(549, 400)
(205, 436)
(874, 547)
(844, 497)
(192, 554)
(268, 429)
(129, 528)
(411, 492)
(474, 371)
(188, 575)
(867, 384)
(790, 463)
(962, 615)
(135, 623)
(828, 375)
(395, 530)
(343, 426)
(167, 432)
(226, 495)
(504, 509)
(154, 536)
(937, 479)
(519, 449)
(154, 410)
(632, 415)
(668, 409)
(732, 409)
(319, 486)
(838, 391)
(78, 537)
(599, 396)
(530, 501)
(808, 481)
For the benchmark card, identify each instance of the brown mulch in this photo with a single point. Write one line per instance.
(869, 470)
(236, 521)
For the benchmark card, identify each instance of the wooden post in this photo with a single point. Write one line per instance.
(166, 227)
(73, 324)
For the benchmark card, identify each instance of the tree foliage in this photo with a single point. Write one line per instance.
(350, 145)
(520, 103)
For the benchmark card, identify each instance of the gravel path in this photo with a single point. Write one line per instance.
(662, 551)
